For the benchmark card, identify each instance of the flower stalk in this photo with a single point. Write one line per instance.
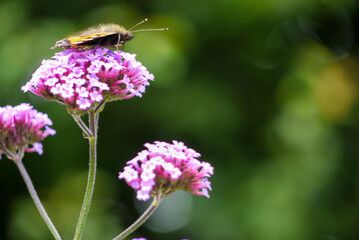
(92, 137)
(82, 125)
(155, 203)
(36, 198)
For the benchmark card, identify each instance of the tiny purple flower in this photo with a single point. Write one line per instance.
(82, 79)
(165, 168)
(20, 127)
(36, 147)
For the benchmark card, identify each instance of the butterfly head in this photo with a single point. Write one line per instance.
(126, 36)
(61, 43)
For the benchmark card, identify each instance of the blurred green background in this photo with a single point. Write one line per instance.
(266, 91)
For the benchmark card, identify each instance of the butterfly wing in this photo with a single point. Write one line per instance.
(107, 40)
(100, 39)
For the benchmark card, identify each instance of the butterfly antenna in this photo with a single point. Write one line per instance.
(145, 30)
(143, 21)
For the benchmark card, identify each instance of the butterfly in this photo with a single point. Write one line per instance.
(104, 35)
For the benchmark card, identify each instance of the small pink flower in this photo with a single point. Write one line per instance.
(82, 79)
(165, 168)
(22, 126)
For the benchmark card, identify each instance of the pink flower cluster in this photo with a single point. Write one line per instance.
(165, 168)
(81, 79)
(22, 125)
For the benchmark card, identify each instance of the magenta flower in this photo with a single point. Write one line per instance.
(21, 126)
(82, 79)
(165, 168)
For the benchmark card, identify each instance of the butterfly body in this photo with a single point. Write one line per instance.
(104, 35)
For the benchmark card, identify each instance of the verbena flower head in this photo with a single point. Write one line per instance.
(21, 126)
(81, 79)
(165, 168)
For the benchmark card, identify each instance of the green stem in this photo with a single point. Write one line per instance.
(36, 198)
(82, 125)
(91, 177)
(155, 203)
